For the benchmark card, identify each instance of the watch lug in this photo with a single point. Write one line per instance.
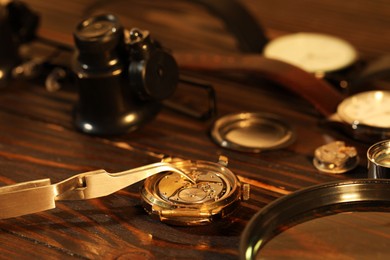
(245, 191)
(223, 160)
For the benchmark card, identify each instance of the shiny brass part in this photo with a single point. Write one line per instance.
(335, 158)
(39, 195)
(246, 189)
(215, 194)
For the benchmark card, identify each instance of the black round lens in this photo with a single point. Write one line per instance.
(97, 29)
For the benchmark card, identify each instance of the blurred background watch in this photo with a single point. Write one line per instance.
(326, 56)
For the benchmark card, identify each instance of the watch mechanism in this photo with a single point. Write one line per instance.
(175, 200)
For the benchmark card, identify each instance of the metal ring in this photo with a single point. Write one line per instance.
(320, 200)
(378, 156)
(252, 132)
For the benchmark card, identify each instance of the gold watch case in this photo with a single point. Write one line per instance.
(174, 200)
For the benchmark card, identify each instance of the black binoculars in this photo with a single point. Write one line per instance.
(122, 76)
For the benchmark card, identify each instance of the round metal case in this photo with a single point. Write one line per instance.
(175, 200)
(378, 156)
(347, 196)
(252, 132)
(366, 115)
(370, 108)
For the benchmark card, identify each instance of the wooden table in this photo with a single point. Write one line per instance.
(38, 139)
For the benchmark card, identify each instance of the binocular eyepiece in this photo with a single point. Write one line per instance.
(122, 76)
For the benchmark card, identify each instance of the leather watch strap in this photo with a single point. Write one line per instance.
(239, 22)
(318, 92)
(377, 69)
(237, 19)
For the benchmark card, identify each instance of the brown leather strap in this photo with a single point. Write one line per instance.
(239, 22)
(378, 68)
(318, 92)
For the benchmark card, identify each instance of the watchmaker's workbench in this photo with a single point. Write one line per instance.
(38, 139)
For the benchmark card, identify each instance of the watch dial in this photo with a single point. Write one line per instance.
(370, 108)
(312, 52)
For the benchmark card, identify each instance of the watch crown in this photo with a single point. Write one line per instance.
(245, 191)
(223, 160)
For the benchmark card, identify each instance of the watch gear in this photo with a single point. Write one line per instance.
(174, 200)
(335, 158)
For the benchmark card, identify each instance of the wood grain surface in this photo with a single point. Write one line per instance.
(38, 139)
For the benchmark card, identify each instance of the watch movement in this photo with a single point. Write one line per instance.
(183, 192)
(215, 193)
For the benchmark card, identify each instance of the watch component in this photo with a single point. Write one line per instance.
(371, 108)
(252, 132)
(335, 158)
(313, 52)
(378, 156)
(365, 115)
(321, 200)
(39, 195)
(174, 200)
(186, 101)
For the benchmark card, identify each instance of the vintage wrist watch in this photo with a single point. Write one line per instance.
(180, 191)
(326, 56)
(363, 116)
(313, 52)
(378, 158)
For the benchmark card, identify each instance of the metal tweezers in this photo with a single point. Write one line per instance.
(39, 195)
